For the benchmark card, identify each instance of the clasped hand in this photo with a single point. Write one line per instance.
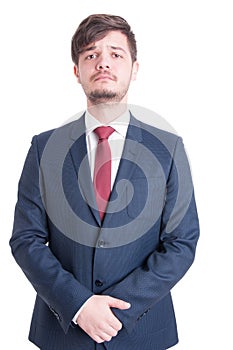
(97, 319)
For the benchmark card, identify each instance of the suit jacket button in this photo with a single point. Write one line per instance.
(101, 243)
(98, 283)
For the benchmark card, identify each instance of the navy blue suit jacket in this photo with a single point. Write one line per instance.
(144, 246)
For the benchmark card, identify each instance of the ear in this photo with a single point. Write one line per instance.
(135, 70)
(76, 73)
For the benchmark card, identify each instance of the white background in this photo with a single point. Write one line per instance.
(186, 76)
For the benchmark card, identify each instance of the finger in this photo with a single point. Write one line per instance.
(115, 331)
(108, 334)
(98, 339)
(104, 336)
(118, 303)
(111, 331)
(115, 323)
(108, 329)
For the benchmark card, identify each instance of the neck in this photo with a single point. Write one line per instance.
(107, 112)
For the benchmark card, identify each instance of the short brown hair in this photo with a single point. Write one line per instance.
(95, 27)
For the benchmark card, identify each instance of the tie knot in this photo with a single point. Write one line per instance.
(103, 132)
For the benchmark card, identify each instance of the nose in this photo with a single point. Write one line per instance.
(103, 63)
(103, 67)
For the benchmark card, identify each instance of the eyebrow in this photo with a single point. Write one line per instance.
(94, 47)
(90, 48)
(117, 48)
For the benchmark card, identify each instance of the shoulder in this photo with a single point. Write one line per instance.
(151, 134)
(62, 134)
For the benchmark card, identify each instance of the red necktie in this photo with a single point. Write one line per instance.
(102, 171)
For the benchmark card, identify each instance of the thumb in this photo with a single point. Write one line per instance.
(119, 304)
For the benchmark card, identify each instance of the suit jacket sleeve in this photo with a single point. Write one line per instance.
(57, 287)
(148, 284)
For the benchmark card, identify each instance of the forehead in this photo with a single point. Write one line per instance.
(112, 39)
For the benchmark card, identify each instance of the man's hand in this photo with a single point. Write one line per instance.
(97, 319)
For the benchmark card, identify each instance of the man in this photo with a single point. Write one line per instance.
(105, 223)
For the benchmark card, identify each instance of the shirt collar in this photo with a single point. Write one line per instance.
(120, 124)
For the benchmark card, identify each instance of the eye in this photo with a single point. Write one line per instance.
(116, 55)
(91, 56)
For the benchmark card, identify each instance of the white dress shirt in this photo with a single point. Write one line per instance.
(116, 142)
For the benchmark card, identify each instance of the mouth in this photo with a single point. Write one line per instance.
(103, 77)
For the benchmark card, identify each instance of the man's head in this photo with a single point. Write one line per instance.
(95, 27)
(104, 53)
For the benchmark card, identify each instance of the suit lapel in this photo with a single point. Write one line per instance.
(79, 156)
(128, 162)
